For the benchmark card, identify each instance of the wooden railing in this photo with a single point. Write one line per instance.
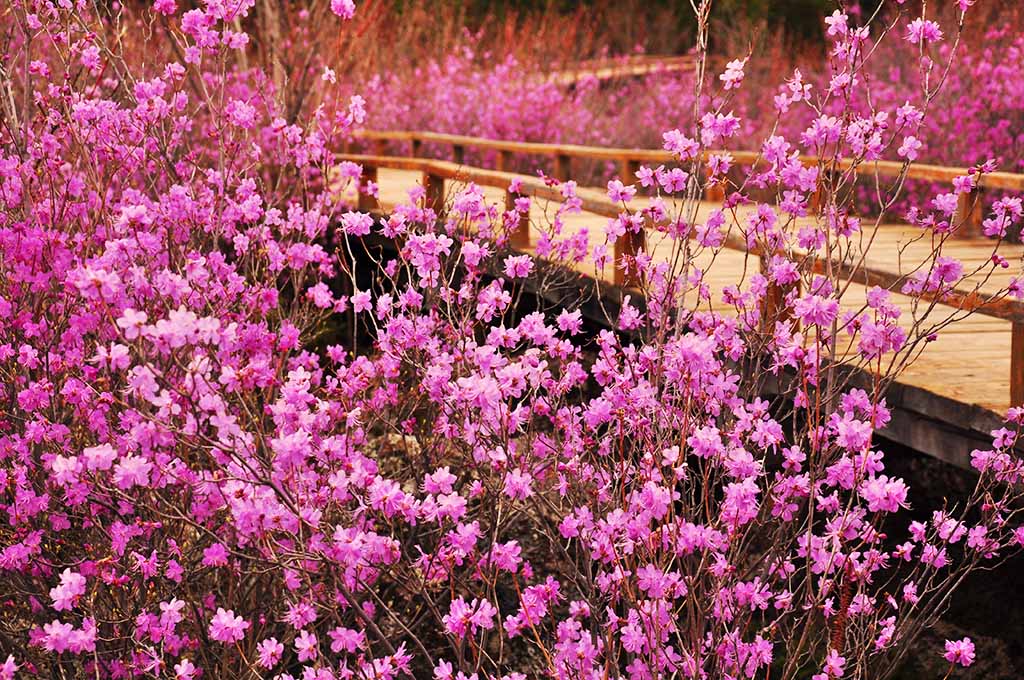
(435, 172)
(619, 67)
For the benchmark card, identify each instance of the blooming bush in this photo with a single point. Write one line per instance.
(200, 480)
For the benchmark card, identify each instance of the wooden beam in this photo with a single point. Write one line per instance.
(459, 153)
(415, 147)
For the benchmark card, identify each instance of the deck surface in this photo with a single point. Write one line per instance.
(969, 363)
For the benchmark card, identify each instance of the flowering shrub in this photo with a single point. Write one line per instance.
(199, 480)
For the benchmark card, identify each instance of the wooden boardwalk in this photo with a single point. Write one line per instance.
(945, 403)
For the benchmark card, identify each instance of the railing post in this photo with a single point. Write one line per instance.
(563, 167)
(969, 214)
(434, 196)
(380, 147)
(504, 161)
(415, 147)
(521, 234)
(459, 153)
(714, 193)
(1017, 364)
(774, 307)
(627, 170)
(627, 247)
(630, 244)
(366, 202)
(826, 179)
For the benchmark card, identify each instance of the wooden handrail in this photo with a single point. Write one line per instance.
(921, 171)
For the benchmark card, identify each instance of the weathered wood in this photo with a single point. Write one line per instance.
(563, 167)
(366, 201)
(969, 214)
(1017, 365)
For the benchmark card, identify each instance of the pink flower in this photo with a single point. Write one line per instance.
(167, 7)
(132, 471)
(131, 322)
(619, 192)
(346, 9)
(269, 651)
(960, 651)
(733, 75)
(923, 30)
(8, 668)
(184, 670)
(215, 556)
(361, 301)
(306, 646)
(909, 148)
(72, 586)
(226, 627)
(518, 266)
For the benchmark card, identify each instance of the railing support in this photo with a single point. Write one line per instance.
(504, 161)
(630, 244)
(366, 202)
(969, 214)
(434, 196)
(627, 170)
(627, 247)
(773, 308)
(521, 233)
(1017, 364)
(563, 167)
(827, 180)
(415, 147)
(459, 153)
